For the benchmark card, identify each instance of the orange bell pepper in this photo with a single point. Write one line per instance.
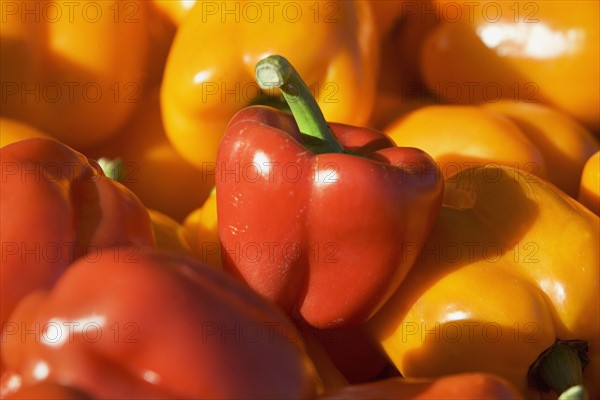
(14, 131)
(564, 143)
(74, 70)
(533, 137)
(511, 266)
(589, 191)
(533, 51)
(333, 45)
(174, 10)
(459, 137)
(151, 167)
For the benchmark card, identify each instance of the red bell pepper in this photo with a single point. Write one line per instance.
(158, 325)
(315, 219)
(58, 206)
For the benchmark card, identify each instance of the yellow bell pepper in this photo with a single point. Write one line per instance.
(589, 190)
(75, 70)
(210, 70)
(511, 266)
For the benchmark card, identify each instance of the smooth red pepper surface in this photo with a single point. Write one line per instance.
(156, 325)
(58, 206)
(328, 236)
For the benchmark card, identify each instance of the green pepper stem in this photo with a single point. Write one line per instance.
(276, 72)
(112, 168)
(560, 369)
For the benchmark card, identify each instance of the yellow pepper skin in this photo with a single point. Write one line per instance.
(459, 137)
(13, 131)
(74, 70)
(202, 233)
(511, 265)
(589, 191)
(210, 70)
(535, 51)
(565, 143)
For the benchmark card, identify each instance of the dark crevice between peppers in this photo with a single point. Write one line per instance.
(560, 368)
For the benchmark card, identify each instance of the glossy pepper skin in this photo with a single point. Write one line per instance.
(533, 51)
(533, 137)
(468, 386)
(204, 86)
(565, 144)
(318, 234)
(459, 137)
(58, 206)
(589, 189)
(511, 265)
(73, 70)
(164, 325)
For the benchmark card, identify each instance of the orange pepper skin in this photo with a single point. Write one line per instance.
(589, 191)
(14, 131)
(58, 206)
(75, 71)
(151, 167)
(202, 232)
(564, 143)
(468, 386)
(174, 10)
(204, 86)
(542, 51)
(511, 265)
(162, 320)
(459, 137)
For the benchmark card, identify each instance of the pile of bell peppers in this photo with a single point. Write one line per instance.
(306, 200)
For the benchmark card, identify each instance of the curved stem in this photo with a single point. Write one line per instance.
(277, 72)
(560, 369)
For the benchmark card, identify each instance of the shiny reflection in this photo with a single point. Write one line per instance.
(456, 316)
(151, 377)
(526, 40)
(202, 76)
(41, 371)
(262, 163)
(554, 289)
(188, 4)
(57, 331)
